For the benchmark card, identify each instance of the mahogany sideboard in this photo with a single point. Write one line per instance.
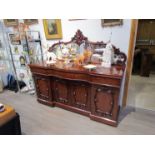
(92, 93)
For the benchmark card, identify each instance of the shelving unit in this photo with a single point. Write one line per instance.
(4, 59)
(29, 50)
(5, 63)
(35, 40)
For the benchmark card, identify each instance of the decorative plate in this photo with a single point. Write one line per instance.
(90, 66)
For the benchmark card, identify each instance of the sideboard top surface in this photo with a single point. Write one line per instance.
(112, 72)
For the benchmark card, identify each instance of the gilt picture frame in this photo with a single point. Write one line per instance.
(111, 22)
(10, 22)
(52, 28)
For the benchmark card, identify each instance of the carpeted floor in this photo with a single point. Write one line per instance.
(40, 119)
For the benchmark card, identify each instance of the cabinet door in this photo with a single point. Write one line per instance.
(43, 87)
(104, 102)
(61, 91)
(80, 96)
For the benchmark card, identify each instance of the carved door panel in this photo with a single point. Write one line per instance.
(80, 96)
(43, 87)
(104, 102)
(61, 93)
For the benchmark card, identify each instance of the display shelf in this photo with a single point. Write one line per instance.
(5, 61)
(26, 51)
(37, 40)
(21, 68)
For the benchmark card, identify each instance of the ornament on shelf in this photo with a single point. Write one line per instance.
(21, 75)
(82, 48)
(65, 51)
(22, 61)
(30, 85)
(51, 58)
(108, 56)
(16, 49)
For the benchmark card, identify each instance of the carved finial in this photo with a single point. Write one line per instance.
(79, 38)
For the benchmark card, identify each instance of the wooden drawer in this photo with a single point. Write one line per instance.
(106, 81)
(40, 71)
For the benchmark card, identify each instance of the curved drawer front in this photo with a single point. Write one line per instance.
(94, 79)
(101, 80)
(68, 75)
(105, 81)
(40, 71)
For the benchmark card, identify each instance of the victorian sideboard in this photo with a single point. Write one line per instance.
(93, 93)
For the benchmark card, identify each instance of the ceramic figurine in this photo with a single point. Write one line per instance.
(21, 75)
(31, 86)
(108, 56)
(16, 49)
(51, 58)
(59, 55)
(74, 49)
(65, 51)
(82, 48)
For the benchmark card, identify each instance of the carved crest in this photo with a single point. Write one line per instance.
(79, 38)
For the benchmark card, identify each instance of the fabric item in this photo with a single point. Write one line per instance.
(12, 83)
(7, 114)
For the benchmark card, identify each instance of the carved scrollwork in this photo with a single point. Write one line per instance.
(79, 38)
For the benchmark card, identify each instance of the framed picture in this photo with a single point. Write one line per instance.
(30, 21)
(14, 39)
(111, 22)
(76, 19)
(52, 28)
(10, 22)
